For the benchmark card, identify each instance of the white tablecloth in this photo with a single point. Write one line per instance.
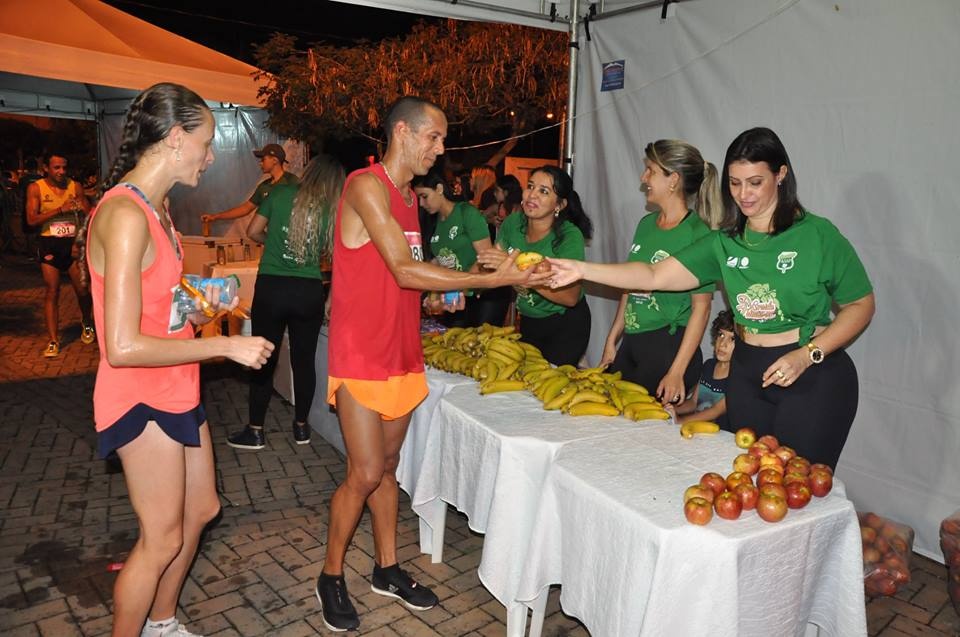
(611, 530)
(489, 456)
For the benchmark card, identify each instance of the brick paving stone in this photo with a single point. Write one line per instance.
(60, 626)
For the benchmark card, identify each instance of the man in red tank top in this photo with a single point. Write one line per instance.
(375, 357)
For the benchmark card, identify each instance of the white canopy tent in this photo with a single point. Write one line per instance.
(91, 60)
(864, 94)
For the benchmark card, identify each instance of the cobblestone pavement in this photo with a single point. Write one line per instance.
(64, 517)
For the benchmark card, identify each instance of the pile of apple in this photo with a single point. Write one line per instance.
(950, 545)
(886, 551)
(768, 477)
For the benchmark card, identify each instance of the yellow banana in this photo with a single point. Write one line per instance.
(507, 371)
(500, 357)
(494, 386)
(507, 348)
(689, 429)
(587, 396)
(593, 409)
(607, 376)
(615, 396)
(564, 397)
(554, 387)
(642, 412)
(451, 334)
(530, 349)
(626, 385)
(567, 369)
(632, 397)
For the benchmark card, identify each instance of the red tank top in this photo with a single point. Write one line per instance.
(374, 323)
(174, 389)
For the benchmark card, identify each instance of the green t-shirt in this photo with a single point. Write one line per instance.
(512, 235)
(452, 241)
(266, 186)
(277, 257)
(782, 282)
(646, 311)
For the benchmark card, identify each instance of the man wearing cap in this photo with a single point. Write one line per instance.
(272, 158)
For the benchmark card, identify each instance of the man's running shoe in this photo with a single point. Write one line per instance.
(87, 336)
(338, 614)
(393, 581)
(52, 350)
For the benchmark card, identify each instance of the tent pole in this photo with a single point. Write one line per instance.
(572, 85)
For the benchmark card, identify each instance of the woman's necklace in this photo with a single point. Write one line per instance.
(405, 195)
(758, 243)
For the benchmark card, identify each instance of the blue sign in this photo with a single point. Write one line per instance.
(612, 76)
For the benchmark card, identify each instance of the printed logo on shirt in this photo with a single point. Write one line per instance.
(416, 245)
(785, 261)
(435, 239)
(741, 263)
(659, 256)
(635, 248)
(453, 232)
(448, 259)
(759, 303)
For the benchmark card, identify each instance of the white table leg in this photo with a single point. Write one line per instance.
(432, 532)
(516, 619)
(539, 608)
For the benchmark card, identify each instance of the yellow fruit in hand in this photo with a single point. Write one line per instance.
(528, 259)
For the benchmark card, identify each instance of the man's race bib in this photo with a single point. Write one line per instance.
(416, 245)
(63, 229)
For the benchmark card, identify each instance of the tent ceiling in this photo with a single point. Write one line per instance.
(535, 13)
(93, 43)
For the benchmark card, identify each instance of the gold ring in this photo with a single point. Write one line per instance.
(779, 373)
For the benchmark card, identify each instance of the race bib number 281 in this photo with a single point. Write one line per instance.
(416, 245)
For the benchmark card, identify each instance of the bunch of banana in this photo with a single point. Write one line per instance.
(689, 429)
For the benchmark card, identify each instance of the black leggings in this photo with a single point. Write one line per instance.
(813, 415)
(644, 358)
(294, 304)
(561, 338)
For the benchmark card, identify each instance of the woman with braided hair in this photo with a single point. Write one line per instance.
(146, 400)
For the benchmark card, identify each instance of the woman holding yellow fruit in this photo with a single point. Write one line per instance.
(552, 224)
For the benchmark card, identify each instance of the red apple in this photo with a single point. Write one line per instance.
(769, 440)
(799, 465)
(737, 478)
(728, 505)
(748, 495)
(871, 555)
(786, 454)
(881, 545)
(745, 437)
(820, 465)
(769, 476)
(774, 489)
(698, 511)
(873, 520)
(770, 460)
(713, 481)
(745, 463)
(867, 535)
(757, 449)
(698, 491)
(821, 482)
(798, 495)
(790, 478)
(889, 531)
(771, 508)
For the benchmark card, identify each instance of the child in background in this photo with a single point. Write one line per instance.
(708, 401)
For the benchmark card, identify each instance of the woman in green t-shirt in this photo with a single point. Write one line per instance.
(295, 226)
(460, 232)
(553, 223)
(783, 268)
(662, 331)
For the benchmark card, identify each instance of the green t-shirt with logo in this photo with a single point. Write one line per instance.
(452, 241)
(513, 235)
(646, 311)
(776, 283)
(265, 187)
(278, 258)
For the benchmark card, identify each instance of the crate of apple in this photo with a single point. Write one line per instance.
(768, 478)
(887, 547)
(950, 545)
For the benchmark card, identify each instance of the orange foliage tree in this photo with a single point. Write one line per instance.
(488, 78)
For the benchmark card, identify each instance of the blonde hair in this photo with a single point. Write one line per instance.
(316, 197)
(485, 177)
(698, 178)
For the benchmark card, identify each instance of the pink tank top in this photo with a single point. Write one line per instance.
(174, 389)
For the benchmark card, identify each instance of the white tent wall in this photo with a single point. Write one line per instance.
(864, 94)
(231, 178)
